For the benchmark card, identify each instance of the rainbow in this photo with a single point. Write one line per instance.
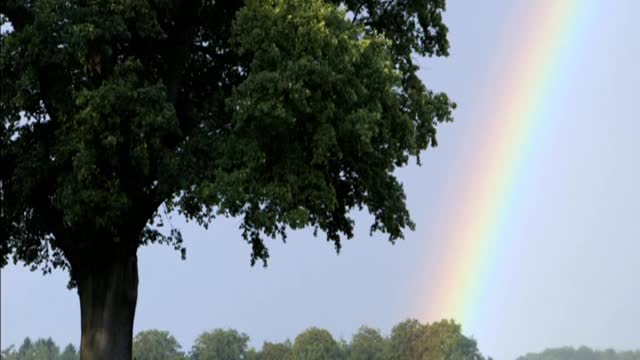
(495, 166)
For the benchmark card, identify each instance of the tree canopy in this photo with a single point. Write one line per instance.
(275, 351)
(367, 344)
(411, 340)
(156, 345)
(221, 344)
(41, 349)
(316, 344)
(285, 113)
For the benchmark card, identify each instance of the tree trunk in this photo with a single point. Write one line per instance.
(108, 290)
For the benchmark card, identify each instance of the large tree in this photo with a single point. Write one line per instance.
(283, 113)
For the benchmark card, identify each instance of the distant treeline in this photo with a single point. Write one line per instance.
(409, 340)
(582, 353)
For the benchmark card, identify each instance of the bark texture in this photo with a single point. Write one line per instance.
(108, 291)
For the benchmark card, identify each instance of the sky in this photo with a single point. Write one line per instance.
(562, 267)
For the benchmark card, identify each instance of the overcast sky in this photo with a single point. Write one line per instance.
(574, 282)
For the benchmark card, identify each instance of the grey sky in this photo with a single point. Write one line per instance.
(570, 277)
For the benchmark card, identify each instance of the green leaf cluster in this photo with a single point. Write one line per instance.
(41, 349)
(156, 345)
(220, 344)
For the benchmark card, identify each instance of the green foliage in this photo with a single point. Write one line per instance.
(367, 344)
(440, 340)
(284, 113)
(403, 341)
(69, 353)
(582, 353)
(275, 351)
(411, 340)
(316, 344)
(444, 340)
(41, 349)
(8, 354)
(156, 345)
(220, 344)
